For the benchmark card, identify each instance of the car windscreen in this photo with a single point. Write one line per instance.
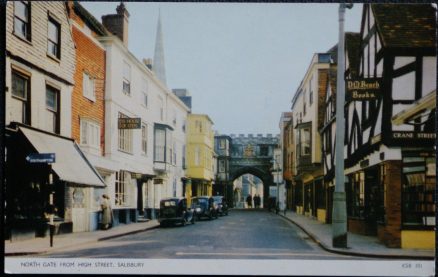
(170, 203)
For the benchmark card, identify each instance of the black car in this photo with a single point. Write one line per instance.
(174, 210)
(204, 206)
(222, 207)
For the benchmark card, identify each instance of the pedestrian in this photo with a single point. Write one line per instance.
(107, 213)
(258, 201)
(249, 200)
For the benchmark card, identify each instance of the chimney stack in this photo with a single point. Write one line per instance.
(117, 24)
(148, 63)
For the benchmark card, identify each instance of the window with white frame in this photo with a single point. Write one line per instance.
(22, 19)
(54, 38)
(52, 108)
(174, 153)
(145, 93)
(310, 92)
(144, 139)
(160, 144)
(90, 133)
(126, 78)
(125, 138)
(21, 96)
(88, 87)
(122, 181)
(305, 141)
(183, 157)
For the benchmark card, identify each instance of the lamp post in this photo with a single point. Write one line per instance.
(339, 219)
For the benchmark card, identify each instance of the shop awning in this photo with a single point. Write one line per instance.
(70, 165)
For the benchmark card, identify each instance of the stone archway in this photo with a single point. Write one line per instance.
(253, 155)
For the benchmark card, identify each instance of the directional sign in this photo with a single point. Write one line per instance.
(41, 158)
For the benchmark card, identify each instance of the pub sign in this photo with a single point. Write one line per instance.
(129, 123)
(363, 89)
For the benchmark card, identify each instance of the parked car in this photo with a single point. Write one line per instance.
(204, 206)
(174, 210)
(222, 207)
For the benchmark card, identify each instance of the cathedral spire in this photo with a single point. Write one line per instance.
(158, 66)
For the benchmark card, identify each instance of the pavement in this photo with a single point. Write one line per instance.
(357, 245)
(40, 245)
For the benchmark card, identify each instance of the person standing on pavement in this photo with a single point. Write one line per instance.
(107, 213)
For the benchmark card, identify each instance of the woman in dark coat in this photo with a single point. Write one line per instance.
(249, 201)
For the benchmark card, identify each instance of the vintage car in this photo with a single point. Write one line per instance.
(174, 210)
(204, 206)
(222, 207)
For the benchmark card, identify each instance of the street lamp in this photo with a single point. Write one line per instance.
(339, 219)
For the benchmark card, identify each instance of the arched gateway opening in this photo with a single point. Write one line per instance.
(247, 155)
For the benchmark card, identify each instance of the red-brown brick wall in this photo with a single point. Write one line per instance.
(90, 58)
(390, 234)
(322, 91)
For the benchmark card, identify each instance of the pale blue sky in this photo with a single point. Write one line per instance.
(241, 62)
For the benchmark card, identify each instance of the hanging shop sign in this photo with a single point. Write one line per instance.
(363, 89)
(129, 123)
(46, 158)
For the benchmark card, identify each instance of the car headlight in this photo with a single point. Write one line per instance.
(198, 210)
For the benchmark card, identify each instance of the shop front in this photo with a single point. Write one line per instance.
(37, 188)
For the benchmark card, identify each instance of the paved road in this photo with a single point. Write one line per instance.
(242, 234)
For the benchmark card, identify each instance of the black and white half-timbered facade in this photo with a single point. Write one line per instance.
(391, 168)
(328, 131)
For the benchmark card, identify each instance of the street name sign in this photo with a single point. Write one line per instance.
(364, 89)
(129, 123)
(47, 158)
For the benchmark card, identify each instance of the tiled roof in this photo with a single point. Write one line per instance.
(352, 45)
(89, 19)
(406, 25)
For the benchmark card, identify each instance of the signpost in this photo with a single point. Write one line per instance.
(46, 158)
(129, 123)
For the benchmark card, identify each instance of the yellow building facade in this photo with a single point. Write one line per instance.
(199, 155)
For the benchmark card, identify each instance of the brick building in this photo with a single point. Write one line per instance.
(88, 105)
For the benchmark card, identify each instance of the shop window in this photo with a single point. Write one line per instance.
(52, 108)
(22, 19)
(357, 195)
(122, 180)
(320, 194)
(21, 97)
(419, 175)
